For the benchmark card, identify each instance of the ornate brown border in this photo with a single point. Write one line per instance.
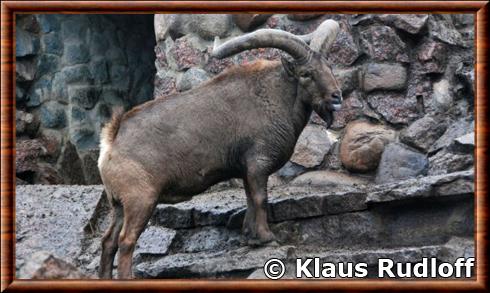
(10, 8)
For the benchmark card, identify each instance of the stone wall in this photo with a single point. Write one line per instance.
(71, 72)
(407, 82)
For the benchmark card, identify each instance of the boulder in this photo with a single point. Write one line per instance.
(52, 44)
(411, 23)
(209, 26)
(70, 165)
(376, 76)
(399, 162)
(302, 17)
(39, 92)
(248, 22)
(446, 162)
(442, 96)
(25, 70)
(456, 129)
(311, 147)
(26, 123)
(344, 50)
(382, 43)
(185, 54)
(52, 115)
(352, 108)
(83, 96)
(347, 78)
(422, 133)
(393, 107)
(75, 53)
(26, 44)
(192, 78)
(328, 178)
(465, 143)
(362, 145)
(442, 28)
(166, 24)
(431, 58)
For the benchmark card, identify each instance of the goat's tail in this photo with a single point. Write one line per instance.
(108, 134)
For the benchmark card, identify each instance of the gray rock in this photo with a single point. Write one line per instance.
(455, 130)
(39, 92)
(328, 179)
(442, 95)
(50, 218)
(363, 144)
(430, 186)
(393, 107)
(75, 27)
(422, 133)
(76, 73)
(431, 58)
(446, 162)
(208, 26)
(398, 163)
(75, 53)
(303, 17)
(99, 71)
(411, 23)
(211, 264)
(383, 77)
(26, 44)
(290, 170)
(52, 115)
(344, 50)
(347, 78)
(25, 70)
(248, 22)
(209, 239)
(26, 123)
(47, 64)
(89, 164)
(173, 24)
(155, 241)
(70, 165)
(465, 143)
(311, 147)
(192, 78)
(382, 43)
(83, 96)
(48, 22)
(51, 44)
(441, 28)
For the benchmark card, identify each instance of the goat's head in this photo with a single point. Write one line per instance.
(308, 66)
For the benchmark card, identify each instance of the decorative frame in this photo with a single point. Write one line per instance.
(10, 8)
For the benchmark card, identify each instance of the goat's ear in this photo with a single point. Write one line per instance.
(289, 66)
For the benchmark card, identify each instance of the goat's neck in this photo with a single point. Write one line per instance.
(301, 110)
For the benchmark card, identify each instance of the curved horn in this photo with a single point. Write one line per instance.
(324, 36)
(264, 38)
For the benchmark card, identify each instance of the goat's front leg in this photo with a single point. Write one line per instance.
(257, 184)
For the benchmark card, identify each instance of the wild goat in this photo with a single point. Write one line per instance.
(244, 123)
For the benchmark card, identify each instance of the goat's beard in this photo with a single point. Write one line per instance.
(324, 112)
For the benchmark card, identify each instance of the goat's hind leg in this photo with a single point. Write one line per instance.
(110, 242)
(138, 208)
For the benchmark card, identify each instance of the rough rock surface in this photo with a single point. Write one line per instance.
(399, 162)
(312, 146)
(363, 144)
(336, 222)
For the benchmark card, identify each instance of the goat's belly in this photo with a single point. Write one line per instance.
(184, 189)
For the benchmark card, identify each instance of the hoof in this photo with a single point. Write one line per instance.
(255, 242)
